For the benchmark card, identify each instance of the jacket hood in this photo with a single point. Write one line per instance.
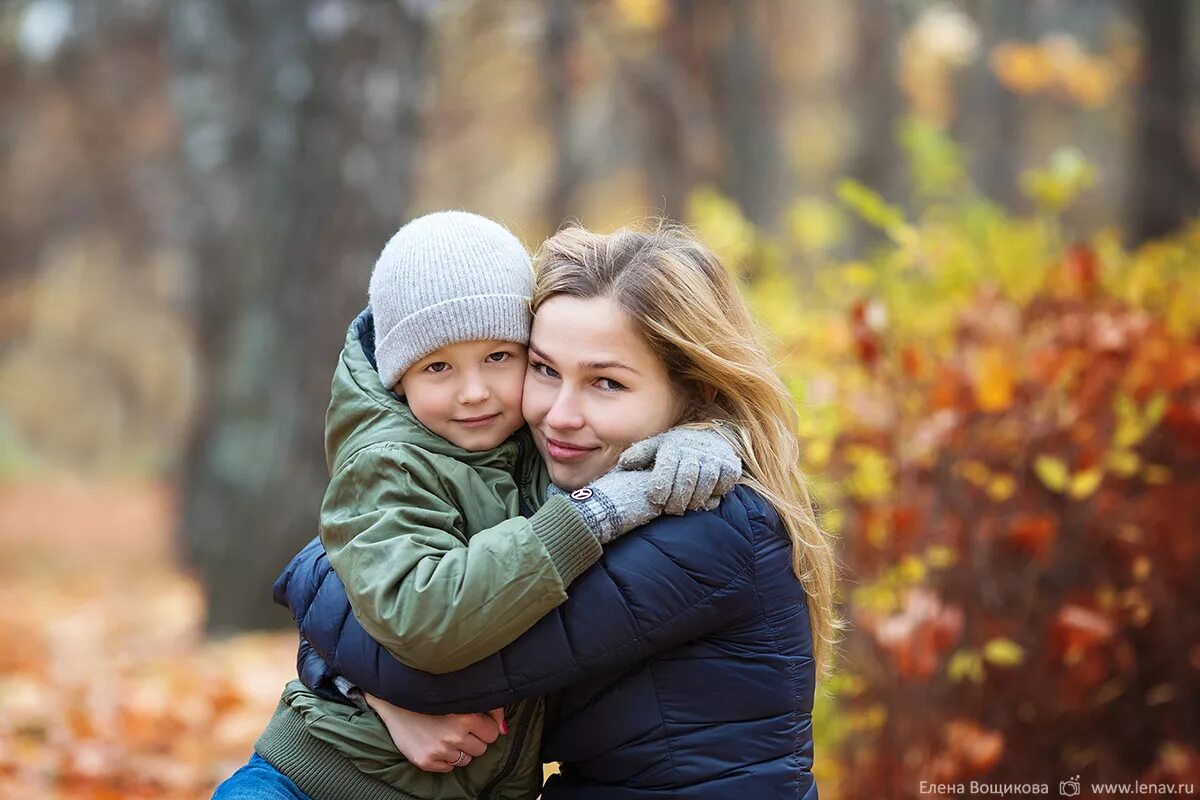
(363, 412)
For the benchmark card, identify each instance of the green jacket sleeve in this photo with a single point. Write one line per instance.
(415, 585)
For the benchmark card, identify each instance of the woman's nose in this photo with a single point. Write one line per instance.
(565, 413)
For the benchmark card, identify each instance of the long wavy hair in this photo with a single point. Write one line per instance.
(686, 305)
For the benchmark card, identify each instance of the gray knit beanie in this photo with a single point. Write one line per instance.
(447, 277)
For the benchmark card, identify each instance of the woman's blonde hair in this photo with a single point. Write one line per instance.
(687, 307)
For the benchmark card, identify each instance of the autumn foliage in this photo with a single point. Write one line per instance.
(108, 688)
(1003, 423)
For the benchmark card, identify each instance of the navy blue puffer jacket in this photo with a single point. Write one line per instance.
(681, 666)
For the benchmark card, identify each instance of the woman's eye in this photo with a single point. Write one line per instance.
(498, 357)
(609, 385)
(437, 366)
(542, 369)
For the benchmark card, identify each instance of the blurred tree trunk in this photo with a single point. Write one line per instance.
(988, 123)
(1165, 188)
(757, 174)
(725, 47)
(559, 39)
(876, 161)
(300, 124)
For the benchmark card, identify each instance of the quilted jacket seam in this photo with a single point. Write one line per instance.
(758, 522)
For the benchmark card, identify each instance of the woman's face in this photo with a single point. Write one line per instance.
(593, 388)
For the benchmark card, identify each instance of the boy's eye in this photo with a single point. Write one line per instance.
(498, 356)
(542, 369)
(437, 366)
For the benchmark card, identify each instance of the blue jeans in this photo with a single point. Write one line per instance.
(258, 780)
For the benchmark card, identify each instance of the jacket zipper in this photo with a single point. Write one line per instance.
(524, 501)
(513, 756)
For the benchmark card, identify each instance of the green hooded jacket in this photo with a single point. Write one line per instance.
(402, 506)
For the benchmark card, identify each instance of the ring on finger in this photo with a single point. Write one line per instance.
(461, 756)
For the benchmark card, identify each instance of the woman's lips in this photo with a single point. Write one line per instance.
(477, 422)
(565, 451)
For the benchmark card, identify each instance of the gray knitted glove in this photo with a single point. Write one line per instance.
(614, 504)
(693, 467)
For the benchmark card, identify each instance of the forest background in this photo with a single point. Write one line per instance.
(970, 229)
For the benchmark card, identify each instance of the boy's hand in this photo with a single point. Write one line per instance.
(613, 504)
(439, 743)
(693, 467)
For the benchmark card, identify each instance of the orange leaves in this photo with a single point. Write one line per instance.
(919, 635)
(993, 378)
(867, 319)
(1083, 642)
(968, 750)
(108, 689)
(1032, 534)
(1082, 268)
(1057, 66)
(1047, 447)
(1077, 629)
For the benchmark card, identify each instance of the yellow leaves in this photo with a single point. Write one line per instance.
(910, 570)
(1133, 423)
(1123, 463)
(872, 474)
(817, 453)
(857, 274)
(876, 211)
(1085, 483)
(1016, 254)
(999, 486)
(965, 665)
(1056, 476)
(871, 718)
(1052, 472)
(816, 225)
(993, 378)
(846, 684)
(940, 557)
(1057, 185)
(935, 160)
(720, 224)
(647, 15)
(774, 299)
(1003, 652)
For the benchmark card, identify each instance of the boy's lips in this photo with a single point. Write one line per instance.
(565, 451)
(477, 422)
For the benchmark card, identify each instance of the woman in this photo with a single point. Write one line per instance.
(684, 663)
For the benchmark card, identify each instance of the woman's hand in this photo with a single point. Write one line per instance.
(439, 744)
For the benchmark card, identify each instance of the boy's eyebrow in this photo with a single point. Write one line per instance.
(587, 365)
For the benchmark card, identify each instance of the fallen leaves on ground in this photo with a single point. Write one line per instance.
(108, 688)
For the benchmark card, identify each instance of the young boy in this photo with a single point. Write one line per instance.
(428, 454)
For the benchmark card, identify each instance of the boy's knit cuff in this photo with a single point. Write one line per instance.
(571, 544)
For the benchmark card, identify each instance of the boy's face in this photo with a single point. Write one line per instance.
(469, 393)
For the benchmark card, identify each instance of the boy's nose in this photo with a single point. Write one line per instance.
(473, 391)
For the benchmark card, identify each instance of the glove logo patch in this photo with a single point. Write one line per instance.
(581, 494)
